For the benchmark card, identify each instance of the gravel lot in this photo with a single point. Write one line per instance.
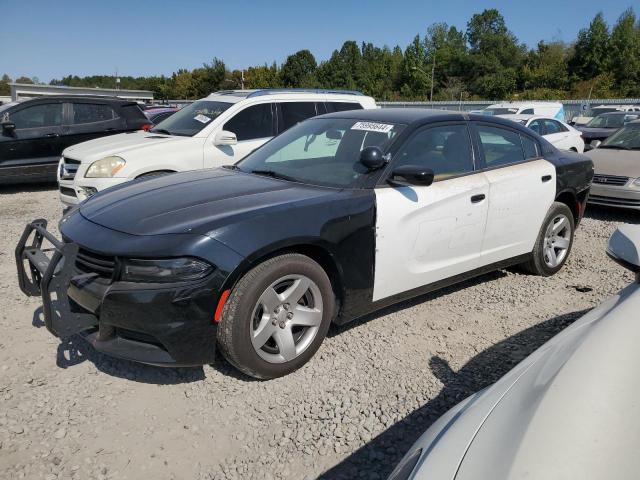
(69, 412)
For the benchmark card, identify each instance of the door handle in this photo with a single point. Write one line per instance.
(50, 135)
(478, 198)
(546, 178)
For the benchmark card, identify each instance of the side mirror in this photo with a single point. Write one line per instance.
(624, 247)
(408, 175)
(372, 158)
(224, 137)
(8, 127)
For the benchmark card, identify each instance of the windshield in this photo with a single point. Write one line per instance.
(607, 121)
(499, 111)
(191, 119)
(322, 151)
(627, 138)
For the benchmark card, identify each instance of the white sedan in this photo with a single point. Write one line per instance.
(568, 411)
(559, 134)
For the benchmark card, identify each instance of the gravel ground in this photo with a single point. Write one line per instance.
(68, 412)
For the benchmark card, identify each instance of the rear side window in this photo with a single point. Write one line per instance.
(530, 147)
(92, 113)
(527, 111)
(252, 122)
(342, 106)
(296, 112)
(446, 150)
(554, 127)
(537, 126)
(500, 146)
(37, 116)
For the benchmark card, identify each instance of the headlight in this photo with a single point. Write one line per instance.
(105, 168)
(167, 271)
(636, 182)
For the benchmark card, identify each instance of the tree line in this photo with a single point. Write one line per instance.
(486, 61)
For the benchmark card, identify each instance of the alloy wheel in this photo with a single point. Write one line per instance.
(557, 241)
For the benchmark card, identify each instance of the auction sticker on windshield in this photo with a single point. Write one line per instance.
(372, 127)
(202, 118)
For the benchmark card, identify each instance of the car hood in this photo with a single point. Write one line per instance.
(122, 145)
(194, 202)
(574, 412)
(609, 161)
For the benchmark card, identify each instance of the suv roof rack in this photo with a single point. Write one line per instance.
(275, 91)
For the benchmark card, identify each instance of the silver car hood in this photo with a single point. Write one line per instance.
(569, 410)
(609, 161)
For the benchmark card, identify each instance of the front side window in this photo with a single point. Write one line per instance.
(500, 146)
(192, 119)
(48, 115)
(321, 151)
(446, 150)
(252, 122)
(296, 112)
(92, 113)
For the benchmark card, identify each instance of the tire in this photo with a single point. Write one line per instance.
(552, 249)
(258, 332)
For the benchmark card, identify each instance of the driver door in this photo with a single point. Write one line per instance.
(427, 234)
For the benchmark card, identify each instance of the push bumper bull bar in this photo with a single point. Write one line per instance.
(49, 275)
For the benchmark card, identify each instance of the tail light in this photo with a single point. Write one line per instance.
(147, 126)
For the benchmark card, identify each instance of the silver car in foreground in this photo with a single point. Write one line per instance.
(571, 410)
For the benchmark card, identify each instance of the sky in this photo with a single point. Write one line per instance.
(50, 39)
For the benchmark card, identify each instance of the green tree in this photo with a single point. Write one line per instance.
(263, 76)
(625, 54)
(343, 69)
(546, 67)
(24, 79)
(591, 57)
(5, 89)
(299, 70)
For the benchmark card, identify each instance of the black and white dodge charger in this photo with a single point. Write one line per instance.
(336, 217)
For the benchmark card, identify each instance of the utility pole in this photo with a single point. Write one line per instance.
(242, 79)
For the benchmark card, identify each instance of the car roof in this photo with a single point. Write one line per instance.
(235, 96)
(417, 116)
(524, 104)
(75, 98)
(617, 114)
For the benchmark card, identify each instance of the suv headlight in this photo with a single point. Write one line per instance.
(636, 182)
(105, 168)
(165, 271)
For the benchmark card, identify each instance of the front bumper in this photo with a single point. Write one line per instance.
(75, 191)
(158, 324)
(623, 197)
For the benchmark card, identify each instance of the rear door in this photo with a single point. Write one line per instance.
(89, 120)
(428, 234)
(36, 139)
(253, 126)
(522, 187)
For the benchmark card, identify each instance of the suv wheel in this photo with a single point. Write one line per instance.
(277, 316)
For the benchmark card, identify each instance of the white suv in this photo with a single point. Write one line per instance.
(211, 132)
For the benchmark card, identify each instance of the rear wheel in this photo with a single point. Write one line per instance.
(277, 316)
(554, 242)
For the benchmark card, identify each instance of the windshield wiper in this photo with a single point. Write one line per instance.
(161, 130)
(272, 174)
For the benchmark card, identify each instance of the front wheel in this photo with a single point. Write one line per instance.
(554, 242)
(276, 316)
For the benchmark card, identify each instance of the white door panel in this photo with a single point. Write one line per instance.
(518, 203)
(426, 234)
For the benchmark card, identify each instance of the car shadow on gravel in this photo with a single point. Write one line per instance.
(611, 214)
(75, 350)
(376, 459)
